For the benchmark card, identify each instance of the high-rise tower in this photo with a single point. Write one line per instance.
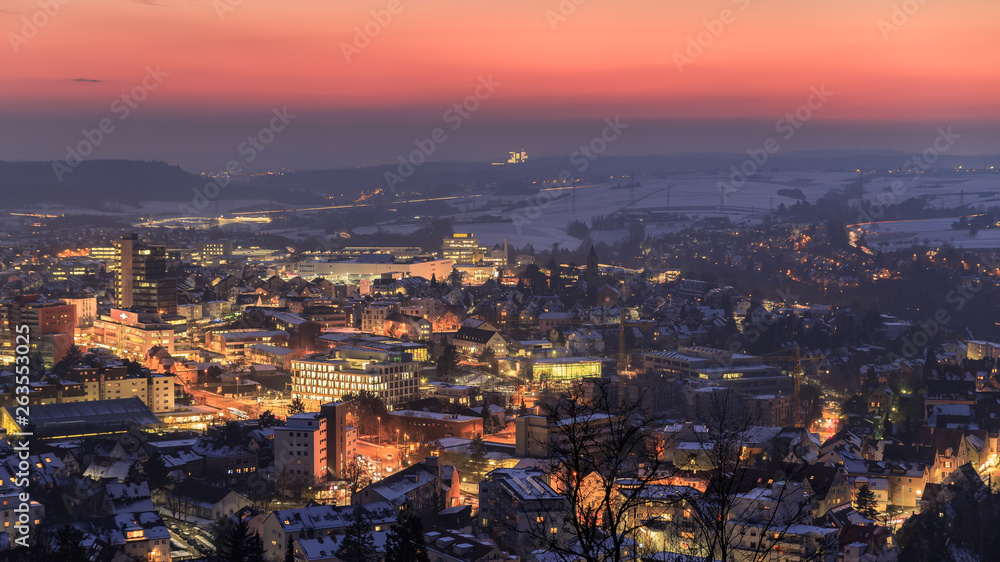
(141, 281)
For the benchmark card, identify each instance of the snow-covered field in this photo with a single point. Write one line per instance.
(543, 221)
(899, 234)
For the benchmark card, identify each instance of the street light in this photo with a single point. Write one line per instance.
(379, 436)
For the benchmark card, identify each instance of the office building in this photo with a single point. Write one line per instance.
(217, 248)
(322, 378)
(373, 266)
(463, 249)
(737, 371)
(141, 280)
(107, 255)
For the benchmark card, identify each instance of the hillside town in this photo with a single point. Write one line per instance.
(214, 399)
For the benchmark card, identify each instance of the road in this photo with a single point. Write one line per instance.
(386, 456)
(248, 405)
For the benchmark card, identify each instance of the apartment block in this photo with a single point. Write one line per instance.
(300, 448)
(51, 324)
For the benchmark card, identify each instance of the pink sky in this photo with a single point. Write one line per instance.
(607, 58)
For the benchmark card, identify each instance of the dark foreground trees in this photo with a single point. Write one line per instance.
(358, 543)
(604, 457)
(405, 540)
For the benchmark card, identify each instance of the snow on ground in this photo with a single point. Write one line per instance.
(543, 222)
(938, 231)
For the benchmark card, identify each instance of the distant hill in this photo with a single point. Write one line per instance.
(96, 182)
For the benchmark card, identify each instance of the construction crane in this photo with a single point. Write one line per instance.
(797, 360)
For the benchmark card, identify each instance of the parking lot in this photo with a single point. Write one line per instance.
(189, 538)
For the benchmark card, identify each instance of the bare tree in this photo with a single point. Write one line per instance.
(748, 513)
(356, 476)
(178, 503)
(261, 492)
(603, 458)
(603, 455)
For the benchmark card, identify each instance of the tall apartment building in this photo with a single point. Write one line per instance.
(141, 280)
(322, 378)
(301, 447)
(86, 308)
(107, 255)
(341, 439)
(51, 324)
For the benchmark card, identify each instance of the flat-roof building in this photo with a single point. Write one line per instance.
(322, 378)
(373, 266)
(81, 418)
(737, 371)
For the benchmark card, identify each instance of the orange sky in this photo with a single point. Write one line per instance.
(607, 58)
